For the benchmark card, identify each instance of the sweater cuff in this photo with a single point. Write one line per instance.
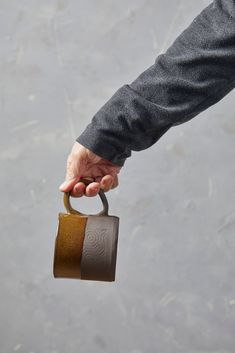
(94, 141)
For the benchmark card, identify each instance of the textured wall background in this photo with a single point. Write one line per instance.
(60, 60)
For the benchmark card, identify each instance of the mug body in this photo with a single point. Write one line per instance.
(86, 247)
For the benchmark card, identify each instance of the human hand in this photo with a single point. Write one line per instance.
(84, 164)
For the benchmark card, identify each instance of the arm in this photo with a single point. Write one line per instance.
(196, 71)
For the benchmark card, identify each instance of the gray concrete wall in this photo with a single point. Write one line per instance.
(60, 60)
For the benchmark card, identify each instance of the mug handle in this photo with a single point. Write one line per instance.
(71, 210)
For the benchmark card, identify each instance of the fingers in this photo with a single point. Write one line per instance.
(68, 185)
(109, 182)
(115, 182)
(80, 189)
(92, 189)
(106, 183)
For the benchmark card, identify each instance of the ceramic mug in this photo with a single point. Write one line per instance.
(86, 245)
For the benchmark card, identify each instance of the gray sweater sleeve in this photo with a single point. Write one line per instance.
(195, 72)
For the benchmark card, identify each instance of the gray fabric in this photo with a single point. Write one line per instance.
(195, 72)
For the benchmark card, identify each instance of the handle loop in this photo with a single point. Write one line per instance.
(71, 210)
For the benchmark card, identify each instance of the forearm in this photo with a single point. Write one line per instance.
(195, 72)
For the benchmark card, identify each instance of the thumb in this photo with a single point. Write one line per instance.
(67, 185)
(72, 176)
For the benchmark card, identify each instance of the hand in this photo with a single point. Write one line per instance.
(83, 163)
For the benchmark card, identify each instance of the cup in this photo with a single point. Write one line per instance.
(86, 245)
